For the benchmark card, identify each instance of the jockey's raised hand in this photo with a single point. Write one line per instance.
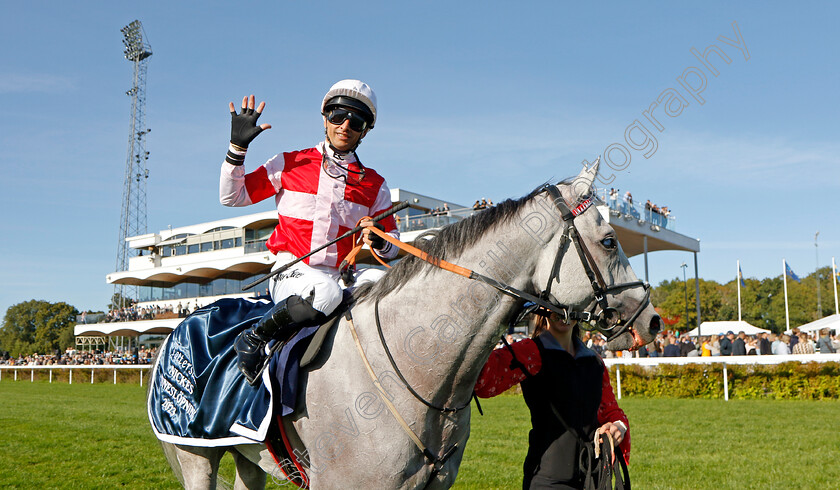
(243, 126)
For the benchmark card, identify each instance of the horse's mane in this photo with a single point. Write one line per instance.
(447, 242)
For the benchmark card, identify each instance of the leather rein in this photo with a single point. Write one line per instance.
(600, 316)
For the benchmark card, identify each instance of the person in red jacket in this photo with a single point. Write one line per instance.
(320, 193)
(568, 392)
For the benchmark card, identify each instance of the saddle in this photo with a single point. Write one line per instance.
(314, 347)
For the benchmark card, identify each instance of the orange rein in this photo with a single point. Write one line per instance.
(351, 257)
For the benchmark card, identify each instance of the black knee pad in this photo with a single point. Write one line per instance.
(302, 313)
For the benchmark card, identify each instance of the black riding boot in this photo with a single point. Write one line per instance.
(281, 322)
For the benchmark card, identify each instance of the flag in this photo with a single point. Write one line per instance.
(741, 276)
(789, 272)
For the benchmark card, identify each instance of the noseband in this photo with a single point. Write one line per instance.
(601, 316)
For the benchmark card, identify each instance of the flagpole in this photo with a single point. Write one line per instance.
(784, 278)
(738, 280)
(834, 281)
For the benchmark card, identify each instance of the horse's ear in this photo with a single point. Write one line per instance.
(582, 185)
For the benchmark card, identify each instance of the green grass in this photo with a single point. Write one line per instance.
(681, 443)
(97, 436)
(78, 436)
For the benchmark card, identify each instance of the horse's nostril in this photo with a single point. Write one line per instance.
(655, 324)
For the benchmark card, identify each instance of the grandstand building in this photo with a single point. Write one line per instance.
(180, 269)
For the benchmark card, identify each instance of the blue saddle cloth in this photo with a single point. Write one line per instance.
(198, 397)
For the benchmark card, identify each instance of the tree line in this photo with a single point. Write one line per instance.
(41, 327)
(37, 326)
(762, 301)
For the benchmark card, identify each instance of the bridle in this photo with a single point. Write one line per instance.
(601, 316)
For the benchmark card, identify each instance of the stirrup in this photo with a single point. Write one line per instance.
(280, 323)
(253, 379)
(264, 362)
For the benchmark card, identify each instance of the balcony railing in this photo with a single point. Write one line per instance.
(618, 207)
(639, 211)
(432, 220)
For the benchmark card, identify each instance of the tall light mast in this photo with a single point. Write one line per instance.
(133, 216)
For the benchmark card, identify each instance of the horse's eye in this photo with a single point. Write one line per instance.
(609, 243)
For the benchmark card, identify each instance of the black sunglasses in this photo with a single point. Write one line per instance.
(338, 115)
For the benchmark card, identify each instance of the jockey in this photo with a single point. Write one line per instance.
(320, 193)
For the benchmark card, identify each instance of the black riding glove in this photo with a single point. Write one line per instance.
(376, 241)
(243, 127)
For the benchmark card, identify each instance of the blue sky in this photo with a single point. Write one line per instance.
(477, 99)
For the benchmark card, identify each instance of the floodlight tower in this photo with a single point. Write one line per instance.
(133, 216)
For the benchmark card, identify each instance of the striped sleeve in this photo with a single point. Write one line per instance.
(236, 188)
(232, 186)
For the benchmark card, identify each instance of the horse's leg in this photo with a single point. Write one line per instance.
(258, 455)
(171, 453)
(199, 466)
(249, 475)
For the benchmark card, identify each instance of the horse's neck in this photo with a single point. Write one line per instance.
(449, 324)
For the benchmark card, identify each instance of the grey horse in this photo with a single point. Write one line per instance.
(436, 331)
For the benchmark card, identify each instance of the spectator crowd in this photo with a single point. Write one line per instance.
(73, 357)
(482, 204)
(672, 344)
(441, 210)
(654, 213)
(134, 313)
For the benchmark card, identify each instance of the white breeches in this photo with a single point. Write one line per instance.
(321, 282)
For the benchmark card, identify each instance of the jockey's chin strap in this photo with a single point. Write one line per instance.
(600, 316)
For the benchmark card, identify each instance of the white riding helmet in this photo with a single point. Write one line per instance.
(352, 93)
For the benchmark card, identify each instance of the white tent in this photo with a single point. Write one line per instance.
(719, 328)
(830, 322)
